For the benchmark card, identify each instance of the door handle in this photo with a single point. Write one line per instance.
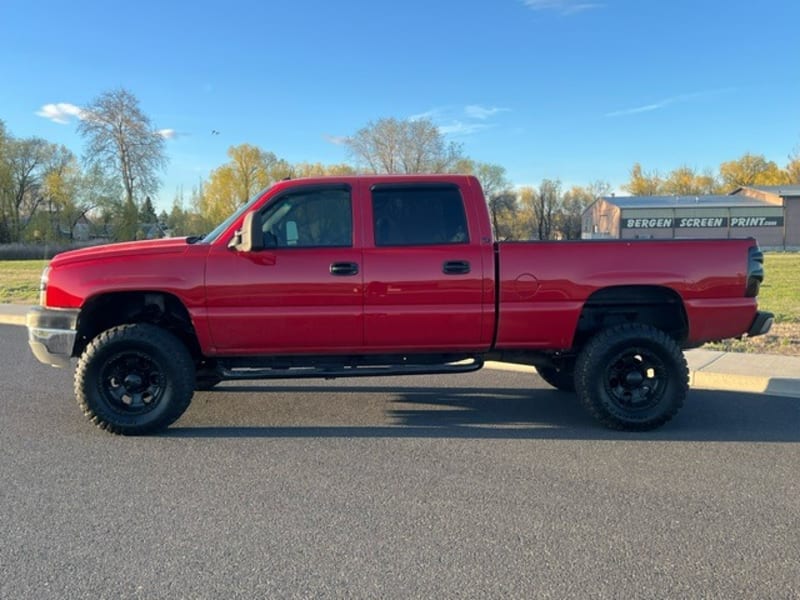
(456, 267)
(344, 269)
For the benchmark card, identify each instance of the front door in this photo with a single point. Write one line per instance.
(303, 293)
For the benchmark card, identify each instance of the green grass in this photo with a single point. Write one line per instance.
(19, 281)
(780, 294)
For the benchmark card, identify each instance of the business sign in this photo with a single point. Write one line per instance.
(699, 222)
(756, 221)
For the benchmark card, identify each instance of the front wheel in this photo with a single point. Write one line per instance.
(134, 379)
(632, 377)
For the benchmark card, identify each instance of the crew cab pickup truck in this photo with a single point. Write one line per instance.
(386, 275)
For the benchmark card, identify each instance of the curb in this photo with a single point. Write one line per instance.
(14, 314)
(12, 320)
(773, 386)
(703, 380)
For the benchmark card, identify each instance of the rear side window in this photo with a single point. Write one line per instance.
(412, 215)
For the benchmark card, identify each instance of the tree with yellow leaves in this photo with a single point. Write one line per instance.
(751, 169)
(643, 183)
(685, 181)
(249, 170)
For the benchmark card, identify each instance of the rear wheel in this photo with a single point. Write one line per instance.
(632, 377)
(134, 379)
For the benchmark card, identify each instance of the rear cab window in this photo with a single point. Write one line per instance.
(418, 215)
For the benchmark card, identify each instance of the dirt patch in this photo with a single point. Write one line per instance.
(783, 338)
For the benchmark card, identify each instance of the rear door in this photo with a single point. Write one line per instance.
(423, 269)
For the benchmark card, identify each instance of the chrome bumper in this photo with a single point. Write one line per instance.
(51, 334)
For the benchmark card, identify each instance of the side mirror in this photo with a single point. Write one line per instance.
(250, 237)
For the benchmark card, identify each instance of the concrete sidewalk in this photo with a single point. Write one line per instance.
(738, 371)
(709, 369)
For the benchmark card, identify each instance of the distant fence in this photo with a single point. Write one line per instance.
(39, 251)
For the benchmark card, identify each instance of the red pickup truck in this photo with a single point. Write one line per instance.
(386, 275)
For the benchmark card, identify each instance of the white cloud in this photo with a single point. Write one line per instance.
(562, 7)
(451, 120)
(667, 102)
(432, 114)
(62, 112)
(336, 140)
(461, 128)
(475, 111)
(641, 109)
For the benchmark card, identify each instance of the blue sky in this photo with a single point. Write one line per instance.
(572, 89)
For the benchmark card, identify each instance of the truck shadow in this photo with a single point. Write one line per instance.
(480, 413)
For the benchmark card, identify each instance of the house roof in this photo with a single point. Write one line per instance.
(685, 201)
(792, 189)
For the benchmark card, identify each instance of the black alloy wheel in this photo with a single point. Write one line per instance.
(134, 379)
(632, 377)
(132, 382)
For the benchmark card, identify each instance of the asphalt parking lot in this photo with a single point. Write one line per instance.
(481, 485)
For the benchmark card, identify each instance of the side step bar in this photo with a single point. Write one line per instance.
(335, 371)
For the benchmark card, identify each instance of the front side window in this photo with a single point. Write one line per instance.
(412, 215)
(312, 218)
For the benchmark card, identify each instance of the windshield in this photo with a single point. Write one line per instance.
(210, 238)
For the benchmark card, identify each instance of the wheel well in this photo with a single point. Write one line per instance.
(158, 308)
(651, 305)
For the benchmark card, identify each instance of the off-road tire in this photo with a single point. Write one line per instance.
(632, 377)
(134, 379)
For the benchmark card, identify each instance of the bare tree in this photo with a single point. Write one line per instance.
(501, 200)
(503, 211)
(395, 146)
(122, 140)
(28, 160)
(793, 168)
(5, 185)
(545, 205)
(574, 202)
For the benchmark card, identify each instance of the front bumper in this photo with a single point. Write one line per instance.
(51, 334)
(761, 324)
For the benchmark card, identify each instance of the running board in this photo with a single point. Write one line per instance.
(332, 372)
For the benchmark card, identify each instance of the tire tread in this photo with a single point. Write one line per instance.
(587, 363)
(149, 334)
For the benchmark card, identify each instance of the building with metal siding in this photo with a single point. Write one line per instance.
(760, 213)
(788, 198)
